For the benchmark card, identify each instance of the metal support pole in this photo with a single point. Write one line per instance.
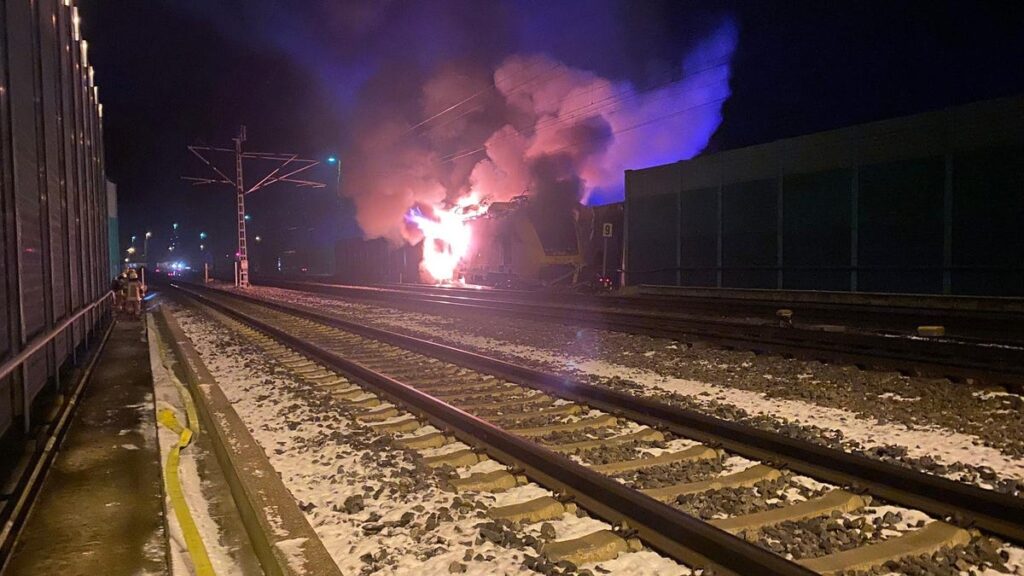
(678, 239)
(718, 233)
(26, 402)
(854, 227)
(604, 259)
(779, 236)
(290, 166)
(947, 228)
(243, 257)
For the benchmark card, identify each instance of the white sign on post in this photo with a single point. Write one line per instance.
(606, 230)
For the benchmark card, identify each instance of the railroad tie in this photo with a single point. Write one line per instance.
(692, 454)
(559, 410)
(584, 424)
(530, 400)
(840, 500)
(450, 389)
(924, 541)
(496, 481)
(475, 392)
(599, 546)
(330, 380)
(423, 441)
(643, 435)
(347, 393)
(456, 459)
(407, 425)
(744, 479)
(378, 414)
(365, 400)
(531, 511)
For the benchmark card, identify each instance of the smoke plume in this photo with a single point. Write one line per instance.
(531, 125)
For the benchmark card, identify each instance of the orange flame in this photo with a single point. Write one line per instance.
(446, 235)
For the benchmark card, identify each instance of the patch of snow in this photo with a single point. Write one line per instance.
(292, 550)
(644, 562)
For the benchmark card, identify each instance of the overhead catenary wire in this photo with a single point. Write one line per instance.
(575, 22)
(458, 155)
(587, 110)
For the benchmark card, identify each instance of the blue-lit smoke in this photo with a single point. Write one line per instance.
(603, 127)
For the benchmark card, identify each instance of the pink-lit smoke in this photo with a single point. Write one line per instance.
(532, 126)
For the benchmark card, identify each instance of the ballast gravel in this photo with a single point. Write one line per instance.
(375, 507)
(671, 474)
(762, 496)
(970, 435)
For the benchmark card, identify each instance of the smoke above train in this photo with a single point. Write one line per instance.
(532, 126)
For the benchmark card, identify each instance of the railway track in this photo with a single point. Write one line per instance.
(965, 359)
(649, 468)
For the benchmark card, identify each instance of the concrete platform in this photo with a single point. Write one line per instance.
(100, 508)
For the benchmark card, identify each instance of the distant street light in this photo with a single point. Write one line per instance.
(258, 239)
(133, 239)
(131, 249)
(175, 225)
(248, 217)
(202, 235)
(145, 248)
(332, 160)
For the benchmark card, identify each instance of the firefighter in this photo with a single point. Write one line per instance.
(134, 291)
(115, 287)
(120, 286)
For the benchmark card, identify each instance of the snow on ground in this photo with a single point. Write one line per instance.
(943, 445)
(324, 459)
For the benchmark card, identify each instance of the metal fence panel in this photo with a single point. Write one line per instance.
(750, 234)
(7, 228)
(900, 233)
(816, 220)
(652, 239)
(698, 237)
(24, 117)
(7, 222)
(988, 212)
(50, 84)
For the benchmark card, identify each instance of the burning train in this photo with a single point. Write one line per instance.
(514, 244)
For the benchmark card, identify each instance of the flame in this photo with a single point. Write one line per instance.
(446, 235)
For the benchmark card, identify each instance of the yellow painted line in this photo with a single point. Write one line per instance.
(193, 541)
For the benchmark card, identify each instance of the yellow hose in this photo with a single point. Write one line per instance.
(193, 541)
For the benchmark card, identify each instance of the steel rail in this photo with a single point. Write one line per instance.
(663, 527)
(932, 357)
(996, 317)
(999, 514)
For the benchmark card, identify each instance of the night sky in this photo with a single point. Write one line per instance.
(172, 73)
